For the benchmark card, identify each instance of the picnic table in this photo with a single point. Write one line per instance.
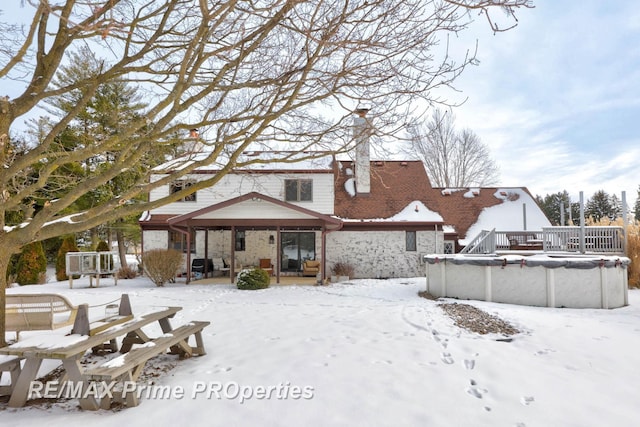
(72, 347)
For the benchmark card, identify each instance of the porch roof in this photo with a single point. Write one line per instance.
(250, 210)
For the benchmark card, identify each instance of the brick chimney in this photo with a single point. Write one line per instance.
(361, 133)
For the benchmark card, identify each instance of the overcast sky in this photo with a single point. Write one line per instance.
(557, 99)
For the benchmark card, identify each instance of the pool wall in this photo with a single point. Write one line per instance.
(537, 280)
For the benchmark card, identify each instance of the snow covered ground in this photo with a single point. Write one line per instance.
(368, 353)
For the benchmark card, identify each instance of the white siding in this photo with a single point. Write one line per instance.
(235, 185)
(259, 208)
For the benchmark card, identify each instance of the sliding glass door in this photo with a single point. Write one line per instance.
(297, 247)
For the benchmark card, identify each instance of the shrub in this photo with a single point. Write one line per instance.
(633, 253)
(31, 264)
(68, 245)
(127, 273)
(12, 268)
(161, 265)
(255, 278)
(341, 268)
(106, 261)
(633, 247)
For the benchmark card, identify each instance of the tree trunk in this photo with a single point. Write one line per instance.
(4, 264)
(122, 249)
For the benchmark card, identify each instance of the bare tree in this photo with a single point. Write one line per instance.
(452, 158)
(282, 74)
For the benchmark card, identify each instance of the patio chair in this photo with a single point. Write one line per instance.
(265, 264)
(310, 268)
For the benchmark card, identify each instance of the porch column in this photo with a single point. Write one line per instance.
(233, 254)
(323, 251)
(278, 255)
(206, 252)
(188, 255)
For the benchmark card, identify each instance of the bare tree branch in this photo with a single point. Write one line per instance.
(282, 75)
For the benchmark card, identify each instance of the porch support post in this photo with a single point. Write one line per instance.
(278, 255)
(232, 272)
(206, 252)
(188, 255)
(323, 249)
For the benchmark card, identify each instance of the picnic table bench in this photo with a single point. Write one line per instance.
(70, 349)
(128, 367)
(9, 364)
(37, 312)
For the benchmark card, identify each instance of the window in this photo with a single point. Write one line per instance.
(296, 247)
(178, 241)
(298, 190)
(240, 240)
(449, 247)
(410, 239)
(181, 185)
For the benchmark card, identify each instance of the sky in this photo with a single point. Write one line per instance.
(365, 353)
(557, 99)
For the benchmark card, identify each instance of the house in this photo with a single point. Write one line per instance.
(380, 216)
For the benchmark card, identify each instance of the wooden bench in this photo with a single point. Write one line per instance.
(524, 241)
(129, 366)
(38, 312)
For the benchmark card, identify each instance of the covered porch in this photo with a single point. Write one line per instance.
(254, 230)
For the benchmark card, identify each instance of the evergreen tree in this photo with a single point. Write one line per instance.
(600, 206)
(552, 204)
(31, 264)
(106, 261)
(68, 245)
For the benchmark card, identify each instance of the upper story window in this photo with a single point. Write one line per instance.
(180, 185)
(298, 190)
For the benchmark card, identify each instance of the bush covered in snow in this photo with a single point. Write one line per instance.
(255, 278)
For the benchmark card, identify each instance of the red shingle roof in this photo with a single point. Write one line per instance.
(394, 184)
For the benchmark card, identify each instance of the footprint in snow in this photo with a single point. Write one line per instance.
(469, 364)
(476, 392)
(526, 400)
(446, 358)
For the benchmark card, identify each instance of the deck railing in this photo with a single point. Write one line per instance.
(593, 239)
(484, 243)
(599, 239)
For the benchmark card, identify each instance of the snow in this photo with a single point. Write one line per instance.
(350, 186)
(367, 352)
(417, 211)
(508, 215)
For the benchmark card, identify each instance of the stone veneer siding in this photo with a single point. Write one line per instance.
(374, 254)
(381, 254)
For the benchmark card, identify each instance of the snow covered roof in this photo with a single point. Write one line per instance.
(518, 211)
